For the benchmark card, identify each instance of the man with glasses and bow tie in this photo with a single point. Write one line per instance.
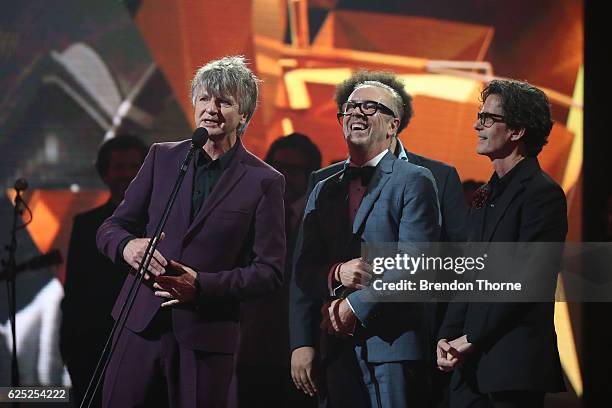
(369, 357)
(304, 313)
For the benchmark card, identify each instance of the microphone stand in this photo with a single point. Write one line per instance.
(102, 365)
(10, 273)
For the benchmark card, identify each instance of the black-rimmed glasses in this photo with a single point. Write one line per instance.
(367, 108)
(488, 119)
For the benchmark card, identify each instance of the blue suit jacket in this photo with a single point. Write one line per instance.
(304, 315)
(400, 205)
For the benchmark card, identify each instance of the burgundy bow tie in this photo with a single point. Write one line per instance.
(480, 196)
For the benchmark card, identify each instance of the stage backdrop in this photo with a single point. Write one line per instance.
(75, 73)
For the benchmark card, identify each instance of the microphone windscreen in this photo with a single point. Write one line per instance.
(22, 184)
(199, 138)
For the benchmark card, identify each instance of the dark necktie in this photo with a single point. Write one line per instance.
(363, 173)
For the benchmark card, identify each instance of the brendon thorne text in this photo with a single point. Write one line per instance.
(425, 285)
(463, 289)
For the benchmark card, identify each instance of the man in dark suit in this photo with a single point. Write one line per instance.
(376, 198)
(87, 302)
(304, 310)
(507, 352)
(224, 242)
(263, 359)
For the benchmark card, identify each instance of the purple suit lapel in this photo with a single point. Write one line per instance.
(224, 186)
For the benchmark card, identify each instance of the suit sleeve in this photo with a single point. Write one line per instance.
(130, 217)
(304, 314)
(419, 225)
(545, 217)
(264, 273)
(544, 220)
(454, 320)
(313, 260)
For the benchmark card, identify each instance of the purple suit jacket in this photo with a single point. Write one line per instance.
(236, 241)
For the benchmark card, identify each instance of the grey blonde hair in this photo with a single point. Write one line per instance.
(229, 76)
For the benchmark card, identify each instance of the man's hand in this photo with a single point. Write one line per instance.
(448, 358)
(338, 318)
(180, 288)
(356, 274)
(461, 345)
(452, 354)
(303, 370)
(134, 251)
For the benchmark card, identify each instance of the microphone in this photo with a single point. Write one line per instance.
(199, 138)
(21, 184)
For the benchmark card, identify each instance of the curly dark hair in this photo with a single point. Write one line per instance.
(524, 107)
(345, 88)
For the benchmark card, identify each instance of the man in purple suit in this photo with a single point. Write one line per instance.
(224, 242)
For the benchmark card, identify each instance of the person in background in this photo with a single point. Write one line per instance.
(87, 303)
(263, 359)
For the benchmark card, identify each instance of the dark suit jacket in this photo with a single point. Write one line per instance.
(88, 298)
(304, 314)
(515, 343)
(236, 241)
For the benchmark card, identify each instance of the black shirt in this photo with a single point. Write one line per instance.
(498, 185)
(207, 174)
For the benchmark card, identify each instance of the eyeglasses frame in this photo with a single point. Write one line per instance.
(482, 116)
(358, 105)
